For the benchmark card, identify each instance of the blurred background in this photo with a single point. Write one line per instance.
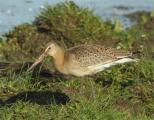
(14, 12)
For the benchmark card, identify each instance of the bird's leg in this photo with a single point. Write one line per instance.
(82, 85)
(91, 79)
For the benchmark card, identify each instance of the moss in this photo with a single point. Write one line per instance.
(72, 25)
(142, 35)
(24, 43)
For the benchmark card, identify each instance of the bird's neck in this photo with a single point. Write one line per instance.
(59, 59)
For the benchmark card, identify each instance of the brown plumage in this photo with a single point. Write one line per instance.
(84, 59)
(88, 55)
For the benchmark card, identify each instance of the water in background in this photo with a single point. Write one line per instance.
(14, 12)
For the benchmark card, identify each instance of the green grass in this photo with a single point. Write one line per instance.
(116, 94)
(123, 92)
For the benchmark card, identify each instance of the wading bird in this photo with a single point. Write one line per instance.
(84, 59)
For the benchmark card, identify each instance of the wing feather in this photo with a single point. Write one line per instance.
(91, 55)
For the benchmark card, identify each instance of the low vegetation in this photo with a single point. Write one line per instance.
(121, 92)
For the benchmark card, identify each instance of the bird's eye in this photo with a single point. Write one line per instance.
(49, 48)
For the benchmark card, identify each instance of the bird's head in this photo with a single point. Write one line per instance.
(50, 50)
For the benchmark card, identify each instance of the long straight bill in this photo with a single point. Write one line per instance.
(37, 61)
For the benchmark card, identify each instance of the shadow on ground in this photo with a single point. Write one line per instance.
(38, 97)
